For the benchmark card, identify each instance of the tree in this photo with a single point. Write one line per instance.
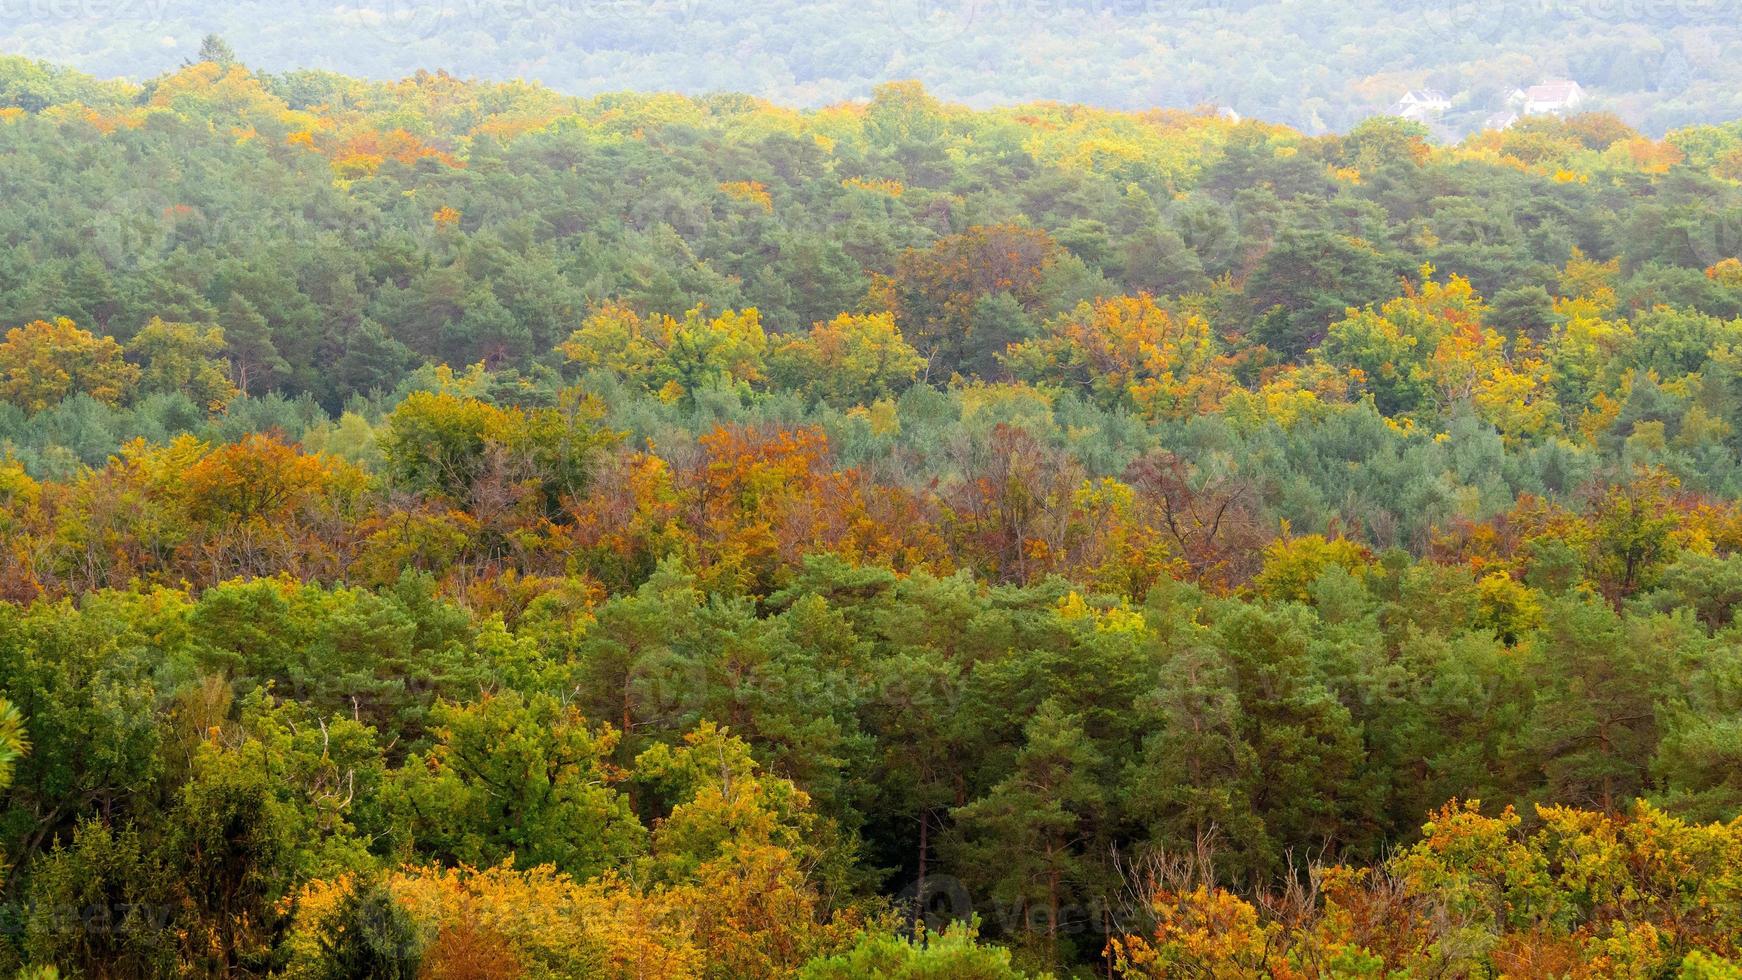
(14, 744)
(82, 677)
(675, 358)
(518, 777)
(216, 50)
(184, 357)
(1594, 727)
(850, 360)
(1307, 280)
(1010, 515)
(229, 841)
(747, 857)
(1632, 524)
(937, 295)
(1309, 790)
(370, 935)
(468, 451)
(1475, 895)
(1210, 519)
(1129, 353)
(1291, 565)
(952, 953)
(121, 892)
(1027, 835)
(42, 363)
(255, 362)
(1196, 780)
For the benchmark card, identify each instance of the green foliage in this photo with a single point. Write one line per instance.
(521, 778)
(370, 936)
(951, 954)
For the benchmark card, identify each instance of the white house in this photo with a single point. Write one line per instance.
(1555, 96)
(1421, 104)
(1500, 120)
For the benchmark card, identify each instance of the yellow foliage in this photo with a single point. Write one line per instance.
(1292, 563)
(888, 188)
(669, 356)
(547, 924)
(852, 358)
(43, 362)
(1727, 272)
(1590, 280)
(751, 191)
(1130, 352)
(1507, 605)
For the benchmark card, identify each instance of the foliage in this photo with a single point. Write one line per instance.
(1082, 491)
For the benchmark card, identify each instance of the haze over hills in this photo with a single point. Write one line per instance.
(1313, 64)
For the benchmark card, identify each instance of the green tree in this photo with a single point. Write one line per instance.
(1025, 839)
(255, 363)
(370, 936)
(1594, 727)
(521, 777)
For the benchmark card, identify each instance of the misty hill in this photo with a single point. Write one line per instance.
(1315, 64)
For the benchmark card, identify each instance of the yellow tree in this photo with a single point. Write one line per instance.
(42, 363)
(675, 358)
(1128, 352)
(1388, 351)
(850, 360)
(184, 357)
(740, 848)
(1586, 354)
(1509, 385)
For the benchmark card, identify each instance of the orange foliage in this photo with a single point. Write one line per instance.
(760, 501)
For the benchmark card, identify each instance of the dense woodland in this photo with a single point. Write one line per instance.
(452, 530)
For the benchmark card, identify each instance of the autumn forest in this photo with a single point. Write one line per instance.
(451, 529)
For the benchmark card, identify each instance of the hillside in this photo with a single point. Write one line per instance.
(454, 529)
(1314, 64)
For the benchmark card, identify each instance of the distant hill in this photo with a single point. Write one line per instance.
(1315, 64)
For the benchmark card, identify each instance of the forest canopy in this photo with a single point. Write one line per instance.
(454, 529)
